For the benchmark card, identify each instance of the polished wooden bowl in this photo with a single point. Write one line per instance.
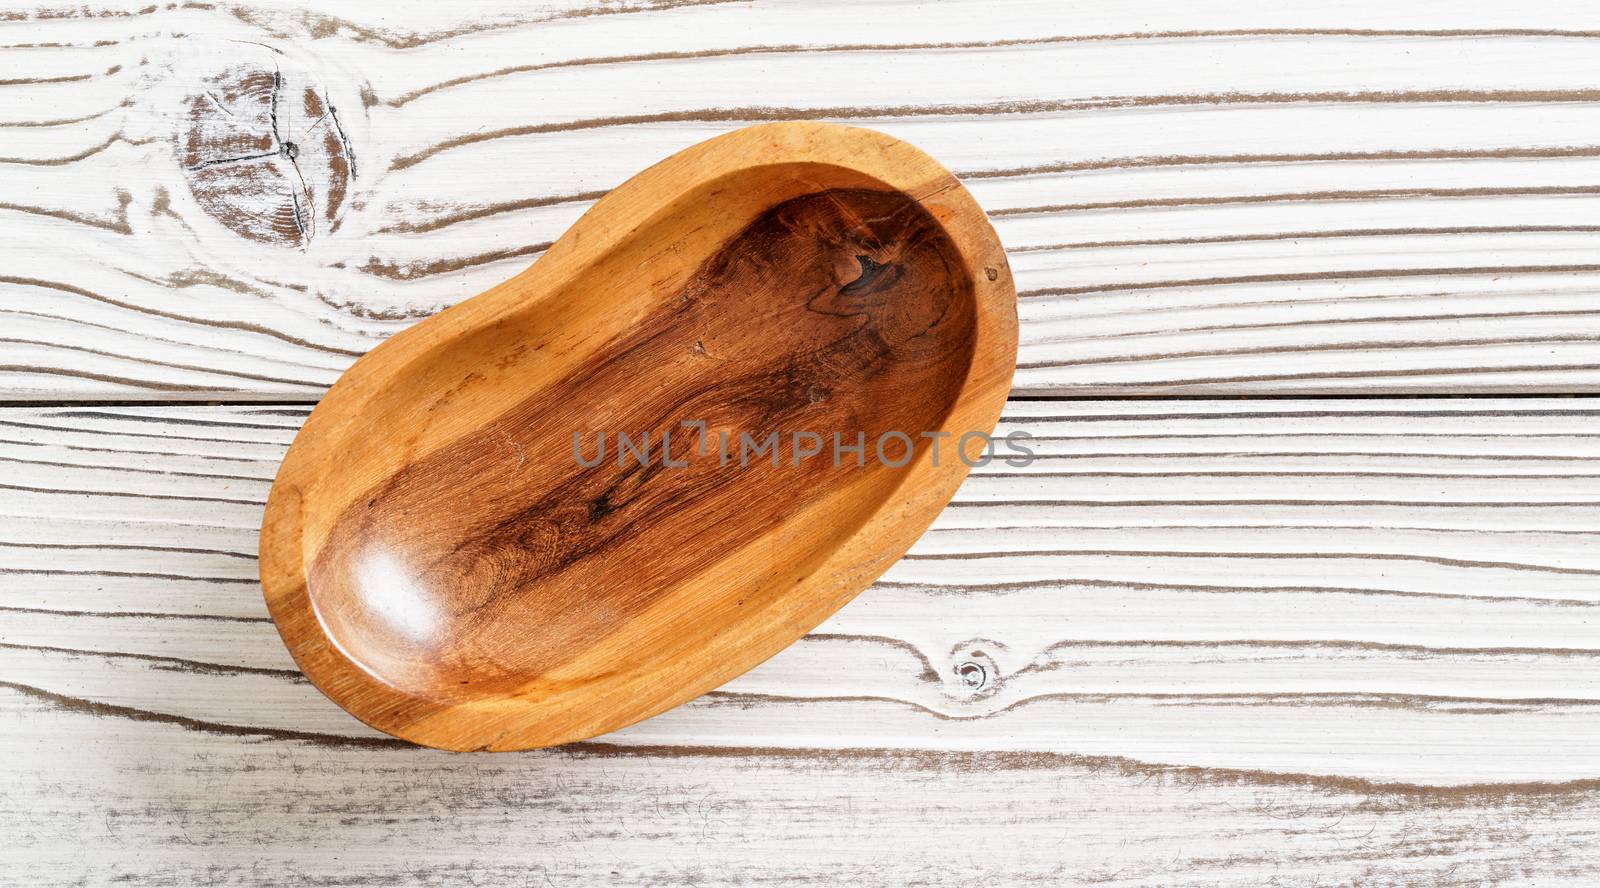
(442, 560)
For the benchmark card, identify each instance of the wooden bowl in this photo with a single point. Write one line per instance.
(442, 562)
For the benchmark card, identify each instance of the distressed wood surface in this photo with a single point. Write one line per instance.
(1393, 573)
(1197, 642)
(1316, 642)
(235, 201)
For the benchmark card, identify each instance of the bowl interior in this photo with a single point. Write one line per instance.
(812, 308)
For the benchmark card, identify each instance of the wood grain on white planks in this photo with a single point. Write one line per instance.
(1184, 622)
(1241, 198)
(1326, 641)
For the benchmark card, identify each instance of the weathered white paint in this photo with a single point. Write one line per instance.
(1249, 199)
(1368, 623)
(1177, 582)
(1300, 642)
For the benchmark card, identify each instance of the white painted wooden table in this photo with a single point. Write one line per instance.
(1304, 591)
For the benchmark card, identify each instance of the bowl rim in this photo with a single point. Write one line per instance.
(507, 722)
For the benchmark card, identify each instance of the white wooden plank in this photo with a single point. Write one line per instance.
(162, 804)
(1183, 583)
(1207, 642)
(1246, 199)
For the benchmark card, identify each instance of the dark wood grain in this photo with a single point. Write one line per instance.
(265, 155)
(840, 313)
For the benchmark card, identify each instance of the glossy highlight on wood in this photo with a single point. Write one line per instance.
(440, 563)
